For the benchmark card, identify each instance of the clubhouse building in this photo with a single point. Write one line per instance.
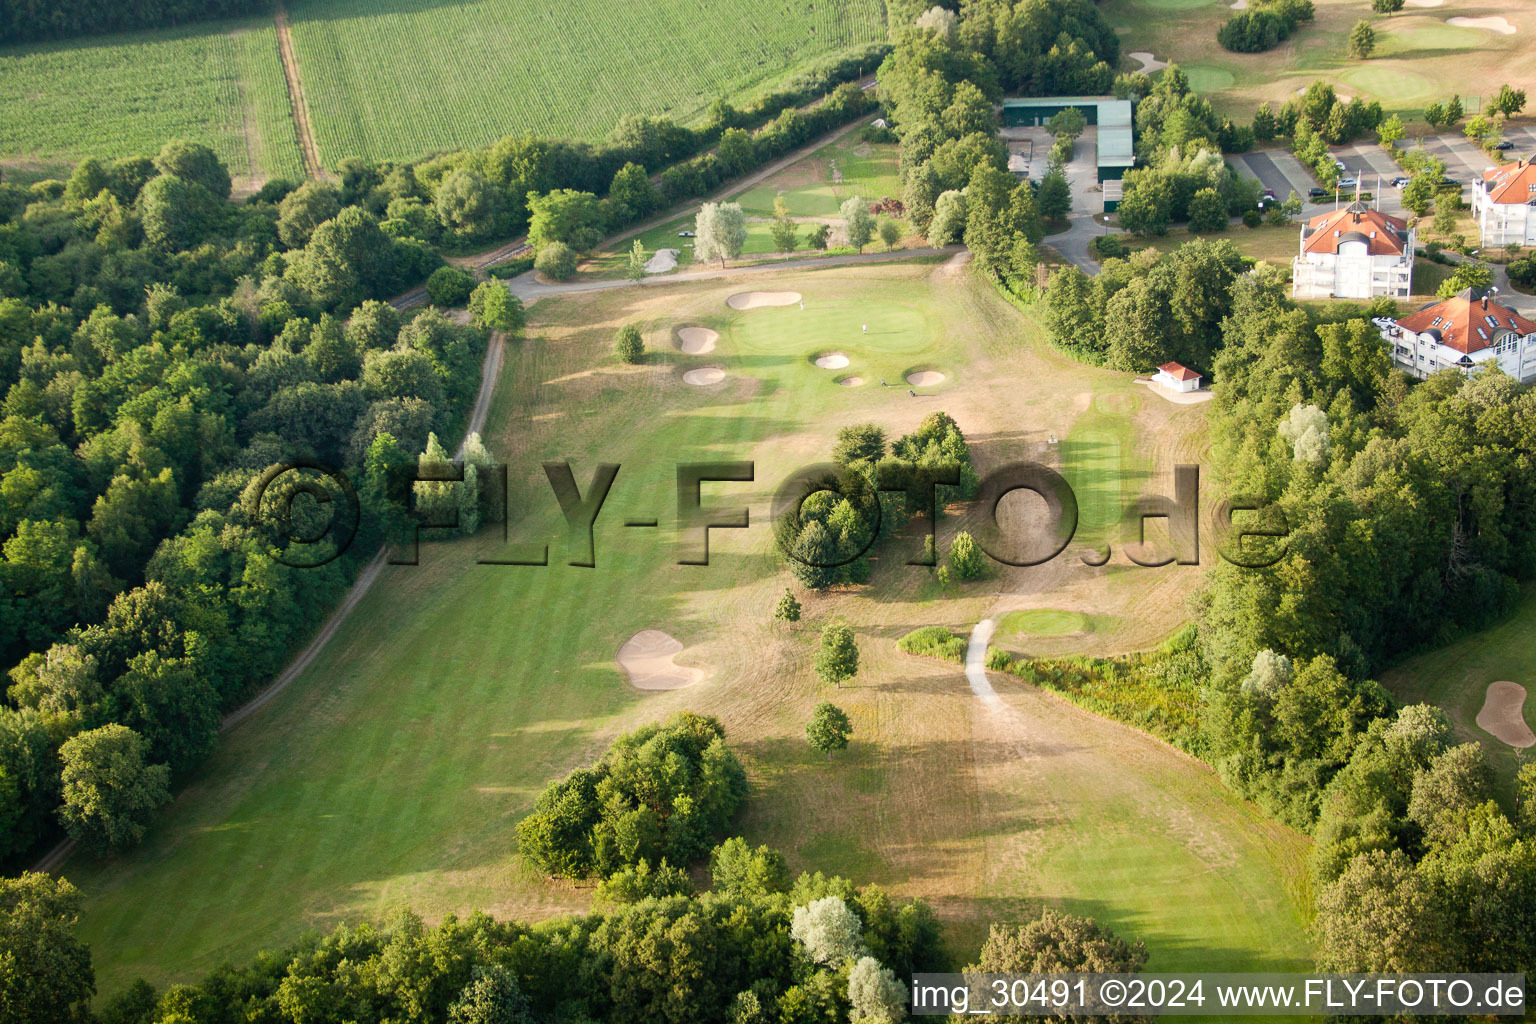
(1502, 204)
(1467, 331)
(1354, 253)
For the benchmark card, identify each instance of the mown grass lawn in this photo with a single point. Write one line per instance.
(392, 773)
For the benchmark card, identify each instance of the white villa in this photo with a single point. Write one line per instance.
(1502, 204)
(1354, 253)
(1466, 331)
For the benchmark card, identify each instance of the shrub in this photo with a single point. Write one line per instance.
(934, 642)
(966, 560)
(449, 286)
(666, 790)
(1108, 247)
(511, 268)
(629, 346)
(1252, 217)
(998, 659)
(556, 261)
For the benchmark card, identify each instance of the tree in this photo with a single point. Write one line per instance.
(634, 268)
(874, 994)
(738, 870)
(474, 207)
(564, 215)
(1390, 131)
(859, 444)
(890, 233)
(1454, 111)
(817, 237)
(495, 308)
(1055, 196)
(556, 261)
(303, 210)
(491, 997)
(828, 729)
(788, 608)
(838, 658)
(949, 216)
(1362, 40)
(109, 792)
(1207, 211)
(449, 287)
(176, 213)
(965, 557)
(784, 236)
(629, 346)
(1509, 102)
(1478, 128)
(1477, 276)
(1434, 115)
(1386, 6)
(1056, 942)
(1419, 193)
(1379, 915)
(938, 20)
(45, 971)
(194, 162)
(828, 931)
(720, 232)
(632, 190)
(858, 222)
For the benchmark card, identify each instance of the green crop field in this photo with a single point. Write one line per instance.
(421, 76)
(219, 83)
(393, 771)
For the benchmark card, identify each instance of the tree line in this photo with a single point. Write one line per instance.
(24, 21)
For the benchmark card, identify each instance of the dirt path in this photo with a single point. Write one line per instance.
(307, 147)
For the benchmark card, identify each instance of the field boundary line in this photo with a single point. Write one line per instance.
(296, 102)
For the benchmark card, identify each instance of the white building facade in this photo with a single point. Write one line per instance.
(1354, 253)
(1467, 332)
(1502, 204)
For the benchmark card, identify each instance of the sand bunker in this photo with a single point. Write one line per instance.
(851, 382)
(646, 659)
(1149, 63)
(704, 375)
(924, 378)
(1425, 3)
(752, 300)
(1239, 5)
(1501, 715)
(1493, 22)
(663, 261)
(696, 341)
(832, 361)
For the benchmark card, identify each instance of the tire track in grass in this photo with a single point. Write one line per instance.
(307, 148)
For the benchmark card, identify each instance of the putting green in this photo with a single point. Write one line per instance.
(894, 327)
(1205, 78)
(1391, 84)
(1043, 622)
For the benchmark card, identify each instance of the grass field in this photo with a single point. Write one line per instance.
(811, 192)
(392, 772)
(1456, 679)
(422, 76)
(1418, 58)
(219, 83)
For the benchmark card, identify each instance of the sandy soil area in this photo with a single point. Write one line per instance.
(832, 361)
(704, 376)
(752, 300)
(647, 662)
(1149, 63)
(696, 341)
(1493, 22)
(925, 378)
(851, 382)
(663, 261)
(1501, 717)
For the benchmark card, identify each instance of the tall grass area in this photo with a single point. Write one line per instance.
(1158, 690)
(422, 76)
(218, 83)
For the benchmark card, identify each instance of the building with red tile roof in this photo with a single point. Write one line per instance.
(1467, 331)
(1177, 377)
(1502, 204)
(1354, 253)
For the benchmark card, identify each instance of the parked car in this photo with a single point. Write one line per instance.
(1399, 181)
(1316, 192)
(1269, 193)
(1340, 165)
(1449, 183)
(685, 234)
(1504, 144)
(1349, 183)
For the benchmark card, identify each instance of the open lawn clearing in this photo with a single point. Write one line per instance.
(1277, 245)
(1419, 58)
(1456, 678)
(219, 83)
(392, 772)
(421, 76)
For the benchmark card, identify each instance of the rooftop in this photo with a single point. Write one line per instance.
(1382, 235)
(1178, 371)
(1513, 183)
(1468, 321)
